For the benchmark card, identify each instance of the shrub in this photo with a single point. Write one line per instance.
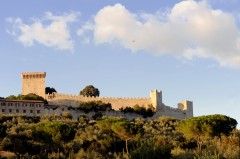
(95, 106)
(145, 112)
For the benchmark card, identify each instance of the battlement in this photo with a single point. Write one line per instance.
(75, 96)
(27, 75)
(174, 109)
(116, 102)
(34, 82)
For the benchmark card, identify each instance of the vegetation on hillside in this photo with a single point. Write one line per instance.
(63, 137)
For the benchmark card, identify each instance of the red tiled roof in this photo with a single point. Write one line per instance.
(22, 101)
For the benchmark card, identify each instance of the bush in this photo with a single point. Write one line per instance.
(95, 106)
(139, 110)
(150, 151)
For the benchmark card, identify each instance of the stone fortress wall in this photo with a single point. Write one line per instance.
(184, 110)
(117, 103)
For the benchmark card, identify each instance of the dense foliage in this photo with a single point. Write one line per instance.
(95, 106)
(145, 112)
(49, 90)
(90, 91)
(30, 96)
(118, 138)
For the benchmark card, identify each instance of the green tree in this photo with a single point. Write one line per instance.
(11, 97)
(203, 127)
(49, 90)
(31, 96)
(90, 91)
(127, 130)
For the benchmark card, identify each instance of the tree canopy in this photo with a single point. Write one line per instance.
(30, 96)
(202, 127)
(90, 91)
(115, 137)
(49, 90)
(94, 106)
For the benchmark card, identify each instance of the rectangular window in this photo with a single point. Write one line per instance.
(10, 110)
(17, 104)
(62, 109)
(25, 105)
(3, 104)
(38, 111)
(24, 111)
(31, 111)
(17, 111)
(3, 110)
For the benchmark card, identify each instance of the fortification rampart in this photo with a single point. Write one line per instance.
(34, 82)
(74, 100)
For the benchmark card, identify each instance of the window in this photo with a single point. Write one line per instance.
(24, 111)
(17, 111)
(62, 109)
(3, 110)
(38, 111)
(31, 111)
(3, 104)
(17, 104)
(10, 110)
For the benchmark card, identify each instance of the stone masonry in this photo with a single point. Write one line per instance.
(35, 83)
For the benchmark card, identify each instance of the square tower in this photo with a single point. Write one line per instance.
(33, 82)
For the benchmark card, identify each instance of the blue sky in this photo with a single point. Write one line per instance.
(188, 49)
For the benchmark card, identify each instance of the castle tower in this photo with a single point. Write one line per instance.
(156, 99)
(187, 106)
(33, 82)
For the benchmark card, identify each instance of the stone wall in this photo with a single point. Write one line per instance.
(184, 110)
(74, 100)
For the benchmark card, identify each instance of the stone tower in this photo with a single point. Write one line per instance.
(187, 106)
(33, 82)
(156, 99)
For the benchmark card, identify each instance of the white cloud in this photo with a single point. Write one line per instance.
(190, 29)
(51, 31)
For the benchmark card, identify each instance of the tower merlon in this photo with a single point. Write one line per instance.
(33, 74)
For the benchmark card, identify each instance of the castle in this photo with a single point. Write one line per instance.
(34, 82)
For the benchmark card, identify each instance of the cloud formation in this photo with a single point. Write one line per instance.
(51, 31)
(190, 29)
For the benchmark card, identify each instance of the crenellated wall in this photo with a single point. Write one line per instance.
(34, 82)
(184, 110)
(74, 100)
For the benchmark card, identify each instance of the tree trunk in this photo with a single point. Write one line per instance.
(127, 146)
